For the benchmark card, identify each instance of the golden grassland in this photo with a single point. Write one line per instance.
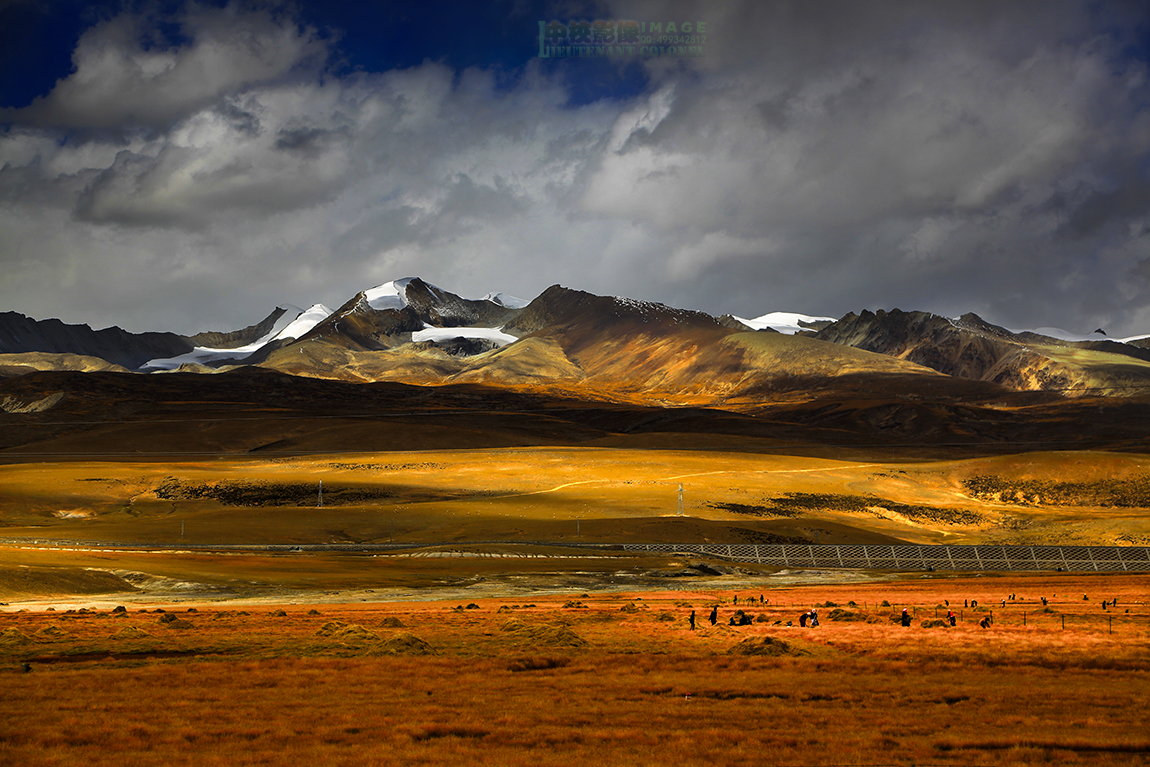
(539, 493)
(612, 679)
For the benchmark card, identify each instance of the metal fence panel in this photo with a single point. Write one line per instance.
(911, 557)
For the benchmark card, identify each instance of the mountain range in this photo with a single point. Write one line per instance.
(604, 346)
(412, 365)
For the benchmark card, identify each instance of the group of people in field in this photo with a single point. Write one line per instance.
(810, 618)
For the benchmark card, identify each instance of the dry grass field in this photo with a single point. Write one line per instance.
(471, 652)
(601, 493)
(604, 678)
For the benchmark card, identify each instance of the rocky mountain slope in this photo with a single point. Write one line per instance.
(971, 348)
(387, 316)
(20, 334)
(237, 338)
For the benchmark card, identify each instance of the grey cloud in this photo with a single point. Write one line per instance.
(308, 141)
(241, 120)
(478, 202)
(120, 82)
(1102, 208)
(822, 158)
(183, 187)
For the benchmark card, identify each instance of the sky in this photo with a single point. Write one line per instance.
(188, 166)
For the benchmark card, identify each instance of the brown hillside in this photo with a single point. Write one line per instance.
(972, 348)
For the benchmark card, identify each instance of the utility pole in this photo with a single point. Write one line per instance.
(680, 512)
(320, 494)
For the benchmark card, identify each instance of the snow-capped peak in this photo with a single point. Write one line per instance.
(783, 322)
(506, 301)
(389, 295)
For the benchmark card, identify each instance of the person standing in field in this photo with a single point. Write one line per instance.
(714, 614)
(803, 620)
(905, 617)
(692, 619)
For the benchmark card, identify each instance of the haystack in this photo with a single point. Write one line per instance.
(549, 635)
(935, 623)
(51, 632)
(405, 643)
(13, 637)
(347, 632)
(514, 624)
(131, 632)
(841, 614)
(771, 647)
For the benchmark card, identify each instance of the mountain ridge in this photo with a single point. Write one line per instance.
(413, 331)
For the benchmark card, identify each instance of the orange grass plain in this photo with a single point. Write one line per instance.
(610, 679)
(538, 493)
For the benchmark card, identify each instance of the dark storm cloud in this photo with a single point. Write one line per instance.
(1098, 209)
(822, 157)
(831, 156)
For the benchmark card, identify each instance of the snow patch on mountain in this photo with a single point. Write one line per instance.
(304, 322)
(294, 323)
(783, 322)
(440, 335)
